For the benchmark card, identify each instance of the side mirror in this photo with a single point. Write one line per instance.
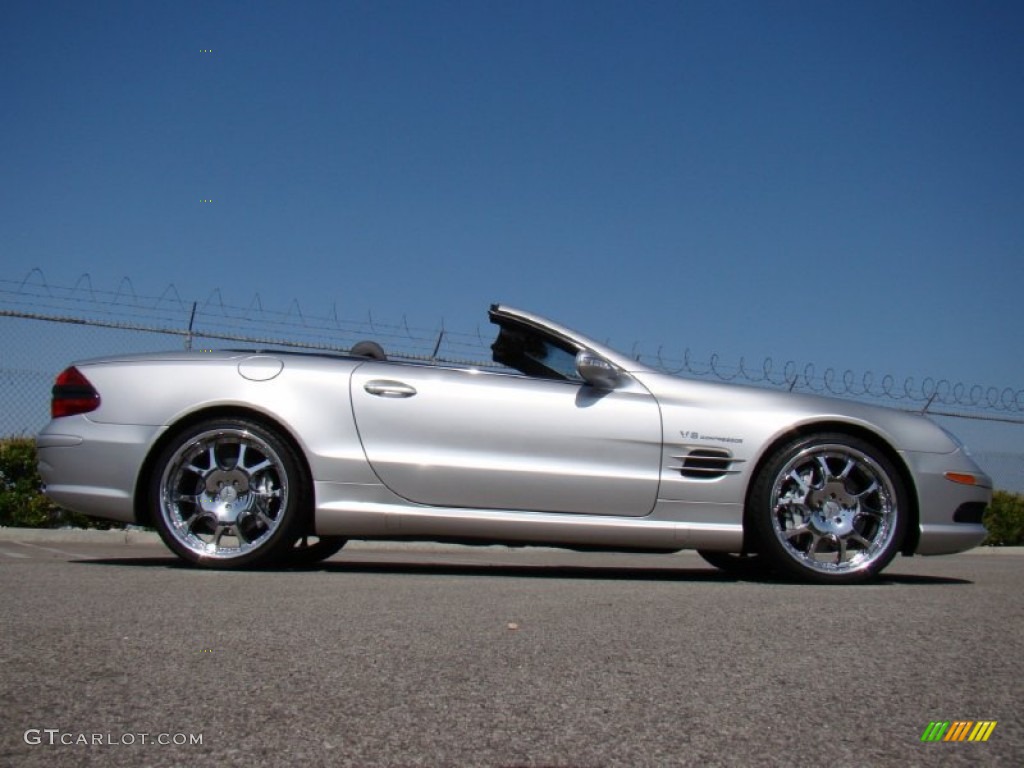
(596, 371)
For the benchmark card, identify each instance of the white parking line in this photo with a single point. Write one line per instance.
(5, 553)
(47, 549)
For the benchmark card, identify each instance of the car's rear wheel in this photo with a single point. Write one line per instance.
(829, 508)
(229, 493)
(310, 549)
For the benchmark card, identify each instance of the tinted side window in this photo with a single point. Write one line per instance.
(534, 355)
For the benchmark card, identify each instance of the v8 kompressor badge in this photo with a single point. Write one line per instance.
(688, 435)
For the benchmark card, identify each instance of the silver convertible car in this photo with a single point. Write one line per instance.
(248, 458)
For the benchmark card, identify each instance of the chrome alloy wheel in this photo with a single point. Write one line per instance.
(224, 494)
(835, 510)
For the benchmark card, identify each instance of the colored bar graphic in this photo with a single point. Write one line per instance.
(982, 730)
(935, 731)
(958, 730)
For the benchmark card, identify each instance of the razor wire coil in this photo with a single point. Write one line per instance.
(213, 318)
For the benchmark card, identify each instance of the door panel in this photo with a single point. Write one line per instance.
(460, 438)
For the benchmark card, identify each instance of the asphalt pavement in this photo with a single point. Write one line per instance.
(115, 654)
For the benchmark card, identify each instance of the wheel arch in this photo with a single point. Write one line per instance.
(144, 515)
(912, 531)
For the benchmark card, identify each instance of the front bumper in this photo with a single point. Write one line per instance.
(949, 512)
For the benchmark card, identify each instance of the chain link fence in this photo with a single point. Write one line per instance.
(44, 327)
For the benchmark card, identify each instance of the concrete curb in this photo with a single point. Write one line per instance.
(77, 536)
(142, 537)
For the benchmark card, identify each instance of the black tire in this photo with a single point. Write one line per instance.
(309, 550)
(746, 565)
(229, 493)
(829, 509)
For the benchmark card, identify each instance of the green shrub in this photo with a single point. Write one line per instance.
(1005, 520)
(21, 502)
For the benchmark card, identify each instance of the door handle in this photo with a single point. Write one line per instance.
(387, 388)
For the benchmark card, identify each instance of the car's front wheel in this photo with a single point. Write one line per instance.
(829, 508)
(741, 565)
(228, 493)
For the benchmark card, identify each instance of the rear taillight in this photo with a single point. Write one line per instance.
(73, 394)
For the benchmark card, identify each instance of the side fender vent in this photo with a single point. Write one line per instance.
(706, 464)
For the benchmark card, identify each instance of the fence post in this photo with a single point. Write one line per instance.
(188, 335)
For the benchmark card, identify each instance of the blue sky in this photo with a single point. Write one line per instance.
(837, 183)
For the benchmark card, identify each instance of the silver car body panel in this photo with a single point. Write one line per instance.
(480, 439)
(405, 450)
